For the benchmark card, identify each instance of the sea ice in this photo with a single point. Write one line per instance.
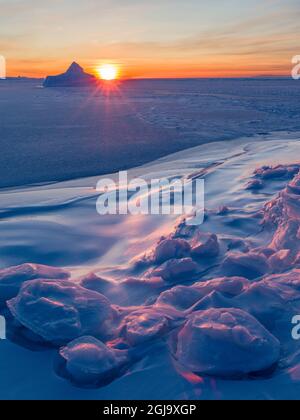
(273, 301)
(205, 245)
(283, 215)
(60, 311)
(277, 172)
(226, 343)
(169, 249)
(184, 297)
(90, 362)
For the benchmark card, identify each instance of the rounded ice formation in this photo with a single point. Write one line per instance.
(94, 282)
(273, 301)
(205, 245)
(12, 278)
(250, 265)
(226, 343)
(285, 207)
(281, 260)
(176, 269)
(255, 185)
(60, 311)
(141, 326)
(277, 172)
(89, 362)
(171, 248)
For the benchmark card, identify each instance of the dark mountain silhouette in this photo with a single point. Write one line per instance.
(75, 76)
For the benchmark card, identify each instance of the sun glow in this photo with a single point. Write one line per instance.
(108, 72)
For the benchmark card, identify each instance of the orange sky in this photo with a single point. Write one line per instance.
(165, 38)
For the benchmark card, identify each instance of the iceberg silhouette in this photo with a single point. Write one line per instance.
(75, 76)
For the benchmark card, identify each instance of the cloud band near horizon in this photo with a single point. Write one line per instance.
(162, 38)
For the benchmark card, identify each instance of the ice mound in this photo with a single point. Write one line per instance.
(89, 362)
(273, 300)
(184, 297)
(250, 265)
(283, 216)
(205, 245)
(223, 211)
(142, 326)
(73, 77)
(60, 311)
(11, 279)
(255, 185)
(281, 261)
(169, 249)
(285, 207)
(173, 270)
(226, 326)
(238, 245)
(96, 283)
(226, 343)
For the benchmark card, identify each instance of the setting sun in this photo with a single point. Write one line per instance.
(108, 72)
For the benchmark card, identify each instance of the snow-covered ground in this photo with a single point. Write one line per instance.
(139, 307)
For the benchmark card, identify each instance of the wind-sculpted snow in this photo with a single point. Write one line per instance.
(273, 301)
(214, 300)
(179, 253)
(285, 207)
(226, 343)
(60, 311)
(282, 215)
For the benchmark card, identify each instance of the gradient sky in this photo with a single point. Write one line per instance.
(153, 38)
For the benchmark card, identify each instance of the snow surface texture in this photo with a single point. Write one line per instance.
(209, 309)
(72, 133)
